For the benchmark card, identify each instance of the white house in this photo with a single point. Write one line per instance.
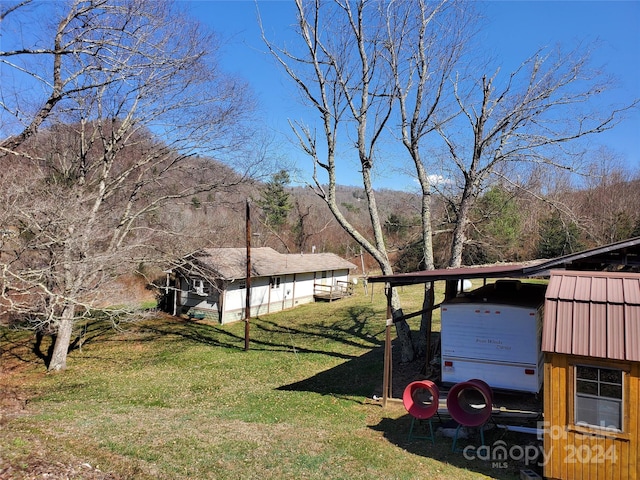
(212, 283)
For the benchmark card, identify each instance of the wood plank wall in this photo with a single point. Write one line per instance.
(575, 454)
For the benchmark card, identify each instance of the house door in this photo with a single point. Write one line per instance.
(288, 291)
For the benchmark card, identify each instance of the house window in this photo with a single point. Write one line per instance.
(275, 282)
(242, 284)
(199, 286)
(598, 397)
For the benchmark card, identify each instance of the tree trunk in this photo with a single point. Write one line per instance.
(63, 340)
(460, 229)
(403, 331)
(423, 345)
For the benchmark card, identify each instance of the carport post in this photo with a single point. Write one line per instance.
(247, 308)
(388, 364)
(432, 301)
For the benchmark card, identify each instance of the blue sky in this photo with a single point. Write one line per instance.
(513, 31)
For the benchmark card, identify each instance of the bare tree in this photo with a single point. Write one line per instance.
(608, 204)
(424, 43)
(132, 104)
(339, 71)
(535, 116)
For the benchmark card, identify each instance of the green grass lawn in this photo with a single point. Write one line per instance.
(175, 399)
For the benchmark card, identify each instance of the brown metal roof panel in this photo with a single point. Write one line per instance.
(632, 329)
(553, 289)
(631, 288)
(598, 330)
(615, 292)
(615, 331)
(549, 326)
(581, 330)
(599, 289)
(425, 276)
(564, 328)
(568, 288)
(583, 289)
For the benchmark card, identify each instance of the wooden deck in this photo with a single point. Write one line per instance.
(330, 293)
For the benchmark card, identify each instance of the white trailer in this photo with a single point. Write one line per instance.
(494, 334)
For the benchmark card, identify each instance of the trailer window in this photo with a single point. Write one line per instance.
(598, 397)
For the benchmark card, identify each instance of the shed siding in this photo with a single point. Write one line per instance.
(574, 455)
(550, 325)
(632, 330)
(555, 415)
(564, 330)
(597, 347)
(580, 324)
(634, 424)
(615, 335)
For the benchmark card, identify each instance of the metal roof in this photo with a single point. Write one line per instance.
(593, 314)
(230, 263)
(626, 252)
(492, 271)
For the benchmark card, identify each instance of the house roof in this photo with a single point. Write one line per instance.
(594, 314)
(626, 252)
(230, 263)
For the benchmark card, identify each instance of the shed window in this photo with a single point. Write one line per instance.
(598, 397)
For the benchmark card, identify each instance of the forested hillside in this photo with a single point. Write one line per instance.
(507, 225)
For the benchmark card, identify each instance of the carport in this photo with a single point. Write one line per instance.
(624, 255)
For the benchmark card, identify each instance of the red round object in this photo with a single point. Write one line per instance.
(461, 408)
(416, 407)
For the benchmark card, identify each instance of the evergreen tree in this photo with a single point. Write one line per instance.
(558, 237)
(275, 201)
(497, 220)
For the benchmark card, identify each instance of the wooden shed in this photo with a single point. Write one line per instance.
(591, 343)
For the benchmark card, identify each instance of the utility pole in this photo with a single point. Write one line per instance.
(247, 309)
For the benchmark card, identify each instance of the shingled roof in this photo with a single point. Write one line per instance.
(230, 263)
(594, 314)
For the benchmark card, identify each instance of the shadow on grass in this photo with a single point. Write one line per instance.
(16, 349)
(268, 334)
(336, 339)
(396, 431)
(359, 376)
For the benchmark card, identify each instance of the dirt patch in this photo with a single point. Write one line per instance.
(12, 403)
(40, 469)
